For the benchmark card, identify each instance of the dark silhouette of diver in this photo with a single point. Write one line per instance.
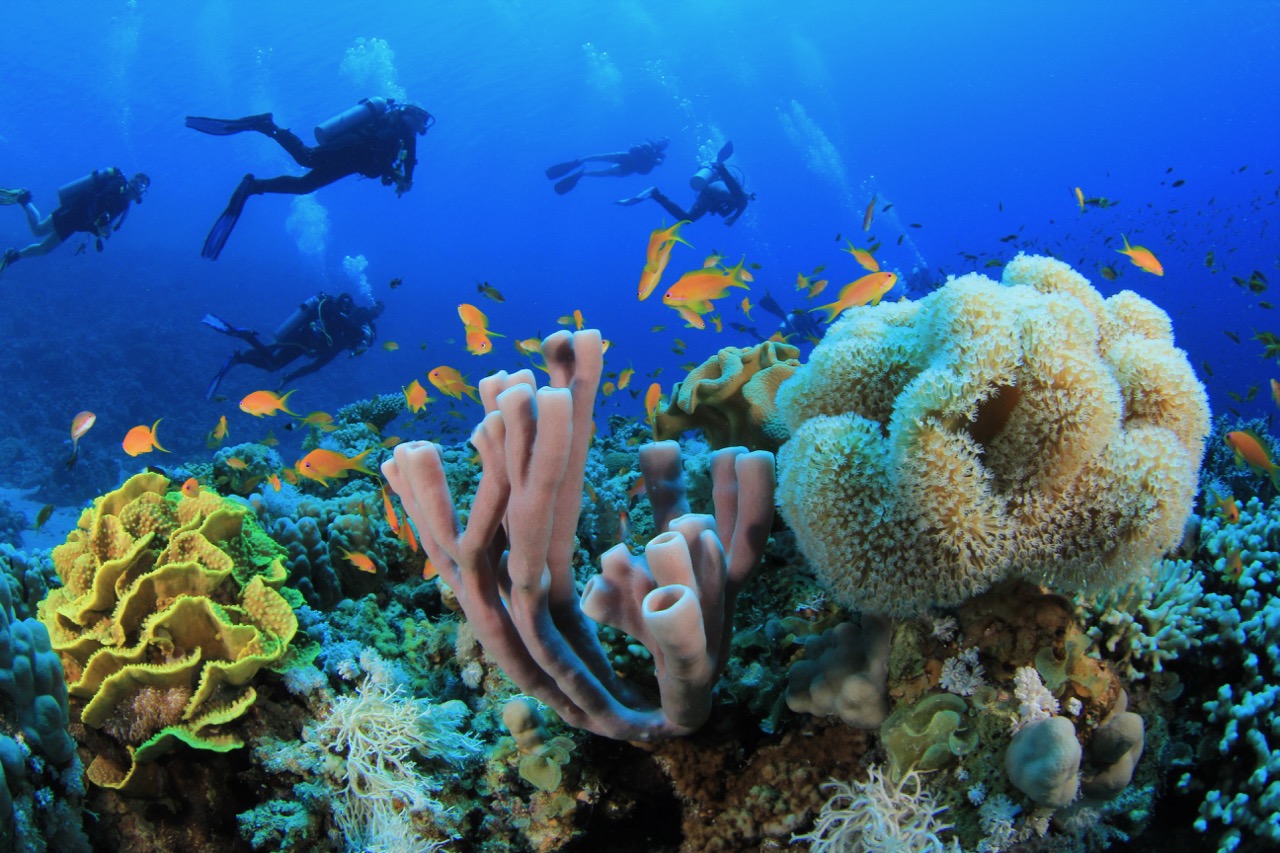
(376, 138)
(639, 159)
(95, 204)
(719, 193)
(320, 329)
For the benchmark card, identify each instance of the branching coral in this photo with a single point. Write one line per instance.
(1026, 428)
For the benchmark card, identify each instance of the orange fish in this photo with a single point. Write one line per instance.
(360, 560)
(574, 319)
(391, 441)
(652, 399)
(142, 439)
(868, 289)
(450, 382)
(323, 465)
(320, 420)
(690, 316)
(478, 342)
(1233, 565)
(393, 520)
(263, 403)
(428, 570)
(529, 346)
(274, 480)
(290, 476)
(637, 488)
(863, 257)
(624, 525)
(472, 316)
(406, 535)
(702, 285)
(191, 488)
(1080, 198)
(415, 396)
(1227, 506)
(1141, 257)
(866, 216)
(1250, 450)
(746, 306)
(237, 463)
(624, 378)
(218, 433)
(80, 424)
(661, 242)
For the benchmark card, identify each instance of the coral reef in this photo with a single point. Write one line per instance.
(1028, 428)
(730, 397)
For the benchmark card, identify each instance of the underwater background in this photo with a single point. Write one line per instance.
(967, 127)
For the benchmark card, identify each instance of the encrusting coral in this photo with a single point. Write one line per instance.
(168, 610)
(730, 397)
(1026, 428)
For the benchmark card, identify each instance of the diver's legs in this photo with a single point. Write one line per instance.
(295, 147)
(298, 185)
(674, 209)
(39, 226)
(43, 247)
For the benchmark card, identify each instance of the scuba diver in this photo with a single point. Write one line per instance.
(375, 138)
(319, 329)
(638, 159)
(95, 204)
(719, 193)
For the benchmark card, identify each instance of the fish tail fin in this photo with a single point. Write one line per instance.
(284, 403)
(75, 456)
(358, 463)
(155, 440)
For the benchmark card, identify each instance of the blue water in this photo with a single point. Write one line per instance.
(974, 120)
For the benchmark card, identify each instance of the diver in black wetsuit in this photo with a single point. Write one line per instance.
(719, 193)
(95, 204)
(320, 329)
(376, 138)
(639, 159)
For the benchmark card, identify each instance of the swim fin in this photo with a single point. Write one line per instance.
(563, 186)
(221, 229)
(20, 196)
(726, 151)
(638, 197)
(227, 126)
(218, 324)
(9, 257)
(559, 170)
(217, 379)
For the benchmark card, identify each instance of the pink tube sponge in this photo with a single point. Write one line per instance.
(1026, 428)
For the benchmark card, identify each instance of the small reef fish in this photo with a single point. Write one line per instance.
(323, 465)
(746, 306)
(1275, 391)
(415, 396)
(652, 399)
(608, 388)
(867, 290)
(217, 434)
(320, 420)
(191, 488)
(484, 288)
(529, 346)
(396, 282)
(393, 520)
(360, 560)
(263, 403)
(428, 570)
(476, 326)
(80, 424)
(1249, 450)
(870, 212)
(703, 285)
(1233, 565)
(391, 346)
(661, 242)
(574, 319)
(624, 378)
(1108, 272)
(624, 526)
(1142, 257)
(237, 463)
(42, 516)
(450, 382)
(1227, 506)
(274, 480)
(863, 257)
(270, 440)
(1080, 198)
(142, 439)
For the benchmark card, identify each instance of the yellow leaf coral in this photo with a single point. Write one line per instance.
(1026, 428)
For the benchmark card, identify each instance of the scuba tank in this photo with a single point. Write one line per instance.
(305, 313)
(70, 194)
(701, 178)
(351, 120)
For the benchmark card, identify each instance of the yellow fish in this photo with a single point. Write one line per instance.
(652, 400)
(415, 396)
(529, 346)
(624, 378)
(863, 257)
(142, 439)
(746, 306)
(323, 465)
(263, 403)
(868, 289)
(1080, 198)
(704, 284)
(661, 242)
(575, 319)
(449, 381)
(1141, 257)
(218, 433)
(608, 388)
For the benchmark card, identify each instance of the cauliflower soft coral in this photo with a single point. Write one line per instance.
(1026, 428)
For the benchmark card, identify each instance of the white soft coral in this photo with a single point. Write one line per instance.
(879, 816)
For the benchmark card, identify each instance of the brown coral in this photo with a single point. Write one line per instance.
(730, 397)
(1029, 428)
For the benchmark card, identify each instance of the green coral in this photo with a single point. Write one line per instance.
(170, 606)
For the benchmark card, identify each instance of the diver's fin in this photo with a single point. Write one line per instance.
(559, 170)
(228, 126)
(217, 379)
(10, 256)
(19, 196)
(221, 229)
(566, 184)
(218, 324)
(726, 151)
(638, 197)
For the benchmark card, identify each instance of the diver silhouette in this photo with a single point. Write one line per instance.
(720, 193)
(639, 159)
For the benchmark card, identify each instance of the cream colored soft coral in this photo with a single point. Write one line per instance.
(1024, 428)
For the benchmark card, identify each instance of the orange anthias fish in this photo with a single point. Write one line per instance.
(476, 326)
(322, 421)
(863, 257)
(191, 488)
(81, 424)
(1141, 257)
(142, 439)
(1250, 450)
(866, 290)
(575, 319)
(529, 346)
(624, 378)
(450, 382)
(323, 465)
(263, 403)
(218, 433)
(661, 242)
(652, 399)
(393, 520)
(415, 396)
(360, 560)
(702, 285)
(1227, 506)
